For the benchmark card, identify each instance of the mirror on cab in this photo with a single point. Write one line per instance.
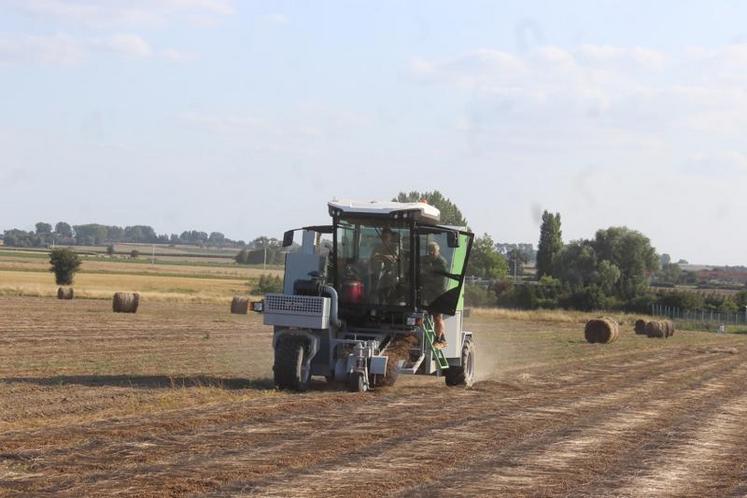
(452, 239)
(288, 238)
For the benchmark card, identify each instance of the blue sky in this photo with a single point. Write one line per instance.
(246, 117)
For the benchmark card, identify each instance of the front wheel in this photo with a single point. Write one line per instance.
(289, 369)
(463, 375)
(357, 382)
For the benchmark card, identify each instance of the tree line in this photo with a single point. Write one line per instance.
(615, 269)
(95, 234)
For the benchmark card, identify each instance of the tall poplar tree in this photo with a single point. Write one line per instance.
(550, 243)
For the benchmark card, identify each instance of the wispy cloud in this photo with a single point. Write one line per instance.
(276, 18)
(64, 49)
(128, 44)
(123, 13)
(597, 89)
(55, 49)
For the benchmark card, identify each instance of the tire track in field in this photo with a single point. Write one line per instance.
(152, 423)
(393, 463)
(361, 460)
(556, 462)
(112, 453)
(207, 430)
(703, 459)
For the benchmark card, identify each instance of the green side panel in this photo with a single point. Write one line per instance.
(457, 266)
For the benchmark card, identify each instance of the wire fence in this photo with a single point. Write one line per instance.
(702, 317)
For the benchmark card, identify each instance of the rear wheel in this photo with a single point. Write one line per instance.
(290, 356)
(463, 375)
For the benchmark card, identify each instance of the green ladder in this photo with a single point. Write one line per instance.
(430, 337)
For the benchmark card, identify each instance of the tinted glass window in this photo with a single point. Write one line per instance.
(373, 263)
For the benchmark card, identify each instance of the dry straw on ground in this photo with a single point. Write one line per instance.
(240, 305)
(397, 351)
(112, 405)
(125, 302)
(601, 330)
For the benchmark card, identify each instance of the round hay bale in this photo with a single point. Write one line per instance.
(125, 302)
(656, 328)
(640, 327)
(65, 293)
(601, 330)
(240, 305)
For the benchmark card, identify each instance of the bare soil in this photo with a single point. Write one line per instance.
(177, 400)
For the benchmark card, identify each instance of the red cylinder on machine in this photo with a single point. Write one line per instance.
(352, 291)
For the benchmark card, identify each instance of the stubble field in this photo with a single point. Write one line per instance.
(177, 400)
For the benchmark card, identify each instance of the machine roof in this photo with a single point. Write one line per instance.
(386, 208)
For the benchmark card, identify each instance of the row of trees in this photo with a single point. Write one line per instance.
(261, 250)
(96, 234)
(612, 270)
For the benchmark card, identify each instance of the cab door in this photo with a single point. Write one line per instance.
(443, 253)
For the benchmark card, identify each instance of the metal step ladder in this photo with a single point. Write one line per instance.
(430, 338)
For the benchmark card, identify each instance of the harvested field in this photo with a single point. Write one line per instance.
(176, 400)
(27, 274)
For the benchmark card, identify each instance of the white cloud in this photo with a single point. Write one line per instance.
(635, 88)
(56, 49)
(129, 45)
(604, 53)
(224, 123)
(113, 13)
(716, 163)
(64, 49)
(176, 55)
(606, 135)
(276, 18)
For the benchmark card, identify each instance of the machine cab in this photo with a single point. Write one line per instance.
(391, 259)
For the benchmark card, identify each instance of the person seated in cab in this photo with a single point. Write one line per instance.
(433, 270)
(385, 266)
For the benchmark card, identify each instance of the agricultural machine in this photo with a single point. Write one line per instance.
(362, 297)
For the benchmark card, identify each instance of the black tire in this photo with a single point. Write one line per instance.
(290, 354)
(357, 382)
(465, 374)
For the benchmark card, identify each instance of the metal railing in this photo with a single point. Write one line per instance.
(705, 317)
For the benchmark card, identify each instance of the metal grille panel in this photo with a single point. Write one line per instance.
(288, 310)
(302, 305)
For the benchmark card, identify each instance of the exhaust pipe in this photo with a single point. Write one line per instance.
(330, 291)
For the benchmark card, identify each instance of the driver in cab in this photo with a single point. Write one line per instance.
(385, 265)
